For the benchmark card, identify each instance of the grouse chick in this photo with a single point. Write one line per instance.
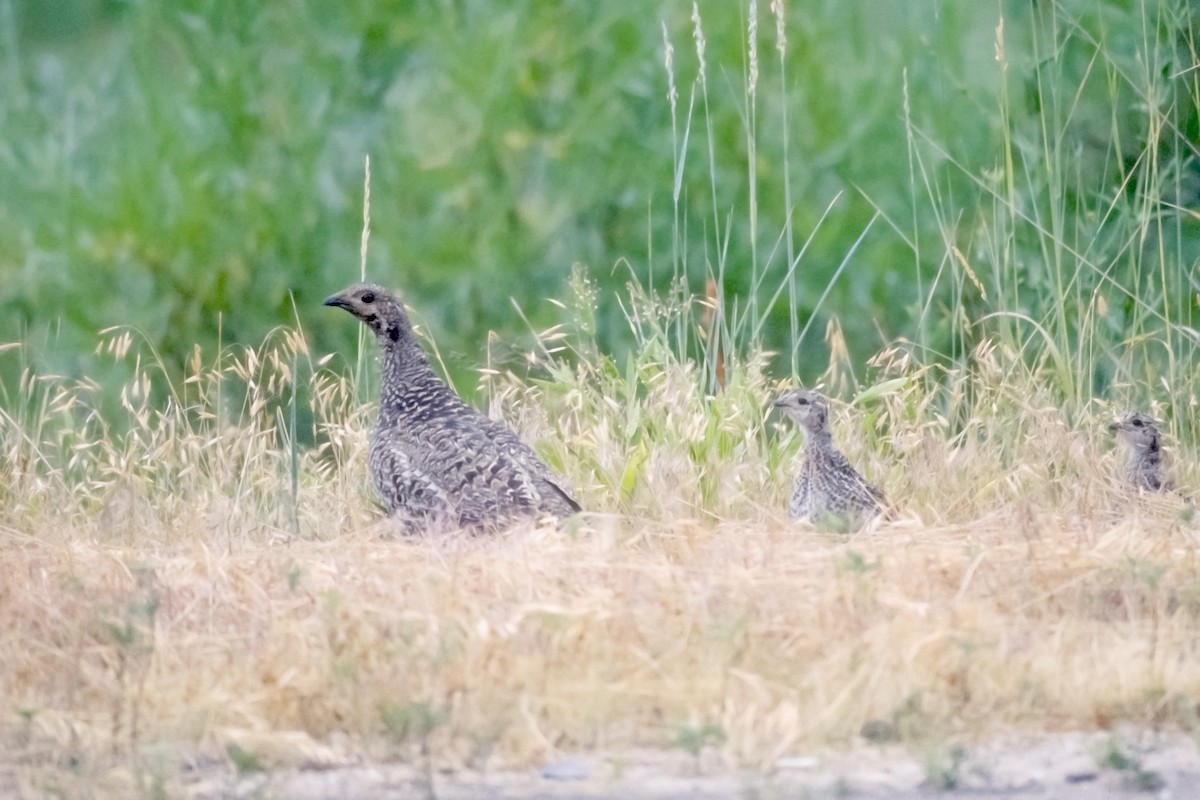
(437, 462)
(827, 489)
(1142, 439)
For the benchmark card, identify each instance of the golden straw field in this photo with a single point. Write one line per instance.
(166, 587)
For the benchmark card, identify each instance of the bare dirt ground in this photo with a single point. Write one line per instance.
(1067, 766)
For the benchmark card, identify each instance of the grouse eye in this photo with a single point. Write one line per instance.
(801, 401)
(368, 297)
(1137, 423)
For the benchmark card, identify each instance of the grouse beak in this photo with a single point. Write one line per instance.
(1114, 426)
(337, 301)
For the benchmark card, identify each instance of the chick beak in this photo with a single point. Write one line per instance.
(337, 301)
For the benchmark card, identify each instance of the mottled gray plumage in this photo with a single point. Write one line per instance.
(1144, 464)
(827, 488)
(437, 462)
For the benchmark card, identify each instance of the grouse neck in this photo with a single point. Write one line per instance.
(403, 366)
(821, 439)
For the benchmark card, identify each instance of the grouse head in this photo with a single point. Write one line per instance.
(1139, 431)
(806, 408)
(381, 310)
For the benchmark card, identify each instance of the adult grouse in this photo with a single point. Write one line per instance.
(437, 462)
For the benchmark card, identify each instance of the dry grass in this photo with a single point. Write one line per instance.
(165, 584)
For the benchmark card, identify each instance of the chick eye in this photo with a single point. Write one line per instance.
(368, 297)
(802, 401)
(1137, 423)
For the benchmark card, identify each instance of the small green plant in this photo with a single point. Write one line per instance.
(694, 738)
(837, 523)
(943, 768)
(25, 730)
(151, 777)
(1134, 775)
(856, 563)
(295, 574)
(413, 724)
(910, 719)
(132, 634)
(245, 762)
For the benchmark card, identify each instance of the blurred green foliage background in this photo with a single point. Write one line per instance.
(193, 168)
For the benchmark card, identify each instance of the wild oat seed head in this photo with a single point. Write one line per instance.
(698, 36)
(777, 8)
(669, 63)
(752, 43)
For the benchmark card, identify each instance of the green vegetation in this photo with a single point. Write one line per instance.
(195, 171)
